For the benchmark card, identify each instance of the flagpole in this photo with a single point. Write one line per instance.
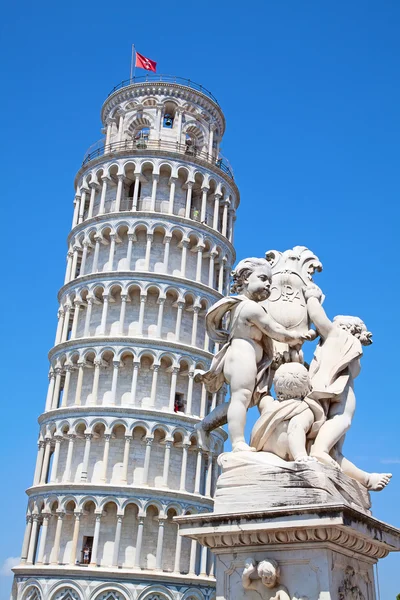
(132, 63)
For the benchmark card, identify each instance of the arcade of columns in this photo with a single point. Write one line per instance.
(149, 251)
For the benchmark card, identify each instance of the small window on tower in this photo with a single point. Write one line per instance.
(179, 404)
(168, 121)
(169, 115)
(142, 137)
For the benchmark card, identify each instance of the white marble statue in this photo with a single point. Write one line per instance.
(244, 360)
(335, 365)
(263, 577)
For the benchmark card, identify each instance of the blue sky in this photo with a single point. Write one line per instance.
(311, 95)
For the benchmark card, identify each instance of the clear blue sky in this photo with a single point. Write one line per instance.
(311, 95)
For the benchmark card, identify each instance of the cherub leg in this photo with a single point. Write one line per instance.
(372, 481)
(339, 420)
(297, 430)
(241, 374)
(217, 418)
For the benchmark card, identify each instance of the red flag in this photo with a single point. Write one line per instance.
(145, 63)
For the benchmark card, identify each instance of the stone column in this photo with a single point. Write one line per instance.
(203, 212)
(57, 539)
(189, 410)
(143, 299)
(148, 252)
(43, 537)
(88, 316)
(39, 462)
(46, 461)
(182, 485)
(188, 199)
(149, 441)
(107, 438)
(50, 391)
(213, 255)
(192, 560)
(185, 244)
(178, 548)
(124, 474)
(75, 214)
(210, 144)
(105, 179)
(139, 540)
(167, 455)
(180, 305)
(78, 391)
(104, 315)
(82, 205)
(154, 192)
(136, 192)
(200, 250)
(57, 385)
(203, 401)
(69, 267)
(116, 366)
(85, 465)
(33, 539)
(203, 561)
(160, 303)
(221, 275)
(75, 537)
(77, 307)
(196, 310)
(207, 491)
(68, 370)
(199, 462)
(172, 183)
(117, 540)
(27, 537)
(124, 298)
(131, 239)
(226, 205)
(112, 252)
(174, 375)
(67, 472)
(160, 541)
(153, 392)
(96, 536)
(67, 312)
(97, 364)
(74, 261)
(167, 241)
(135, 373)
(97, 239)
(94, 187)
(54, 468)
(119, 192)
(216, 211)
(121, 128)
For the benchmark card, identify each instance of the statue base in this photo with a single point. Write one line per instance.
(250, 481)
(323, 552)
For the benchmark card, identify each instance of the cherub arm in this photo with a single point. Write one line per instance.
(318, 316)
(249, 569)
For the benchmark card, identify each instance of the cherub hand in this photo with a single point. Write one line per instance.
(249, 567)
(310, 335)
(312, 291)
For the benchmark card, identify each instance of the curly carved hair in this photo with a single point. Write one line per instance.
(356, 327)
(243, 269)
(291, 380)
(268, 570)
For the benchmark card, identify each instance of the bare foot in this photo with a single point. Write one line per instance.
(305, 459)
(324, 458)
(203, 437)
(378, 481)
(242, 447)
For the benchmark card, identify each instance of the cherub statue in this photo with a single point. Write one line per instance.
(285, 424)
(264, 578)
(243, 361)
(335, 365)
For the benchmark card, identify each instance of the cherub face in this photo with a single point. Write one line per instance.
(258, 284)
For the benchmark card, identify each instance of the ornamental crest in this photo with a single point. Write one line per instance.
(292, 270)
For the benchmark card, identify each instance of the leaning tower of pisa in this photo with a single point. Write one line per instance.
(149, 251)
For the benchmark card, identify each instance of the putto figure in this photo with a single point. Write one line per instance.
(244, 360)
(264, 578)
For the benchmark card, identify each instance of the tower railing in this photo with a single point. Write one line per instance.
(153, 77)
(141, 146)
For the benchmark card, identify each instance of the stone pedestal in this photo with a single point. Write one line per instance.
(323, 552)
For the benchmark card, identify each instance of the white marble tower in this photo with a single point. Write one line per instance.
(149, 251)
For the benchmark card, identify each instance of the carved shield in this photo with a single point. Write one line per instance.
(292, 270)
